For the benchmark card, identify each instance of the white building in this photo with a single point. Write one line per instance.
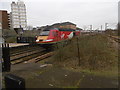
(0, 25)
(18, 15)
(29, 27)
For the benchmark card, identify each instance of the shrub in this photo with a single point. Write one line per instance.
(95, 52)
(11, 39)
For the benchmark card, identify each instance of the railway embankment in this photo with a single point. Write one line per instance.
(94, 53)
(93, 66)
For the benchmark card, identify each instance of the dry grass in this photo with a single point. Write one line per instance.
(96, 53)
(11, 39)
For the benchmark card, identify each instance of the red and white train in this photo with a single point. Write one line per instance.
(56, 35)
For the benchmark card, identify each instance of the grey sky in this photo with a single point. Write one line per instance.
(81, 12)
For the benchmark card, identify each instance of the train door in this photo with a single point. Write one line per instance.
(53, 35)
(56, 35)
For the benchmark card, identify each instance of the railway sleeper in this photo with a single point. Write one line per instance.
(17, 50)
(27, 58)
(13, 58)
(25, 51)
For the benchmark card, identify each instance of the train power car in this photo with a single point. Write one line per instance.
(56, 35)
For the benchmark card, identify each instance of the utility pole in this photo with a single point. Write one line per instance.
(106, 25)
(101, 27)
(90, 27)
(84, 27)
(117, 26)
(79, 60)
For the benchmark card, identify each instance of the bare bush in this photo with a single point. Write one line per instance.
(95, 52)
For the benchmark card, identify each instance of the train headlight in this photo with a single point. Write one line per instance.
(49, 40)
(37, 40)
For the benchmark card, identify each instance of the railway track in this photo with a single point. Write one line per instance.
(28, 53)
(116, 38)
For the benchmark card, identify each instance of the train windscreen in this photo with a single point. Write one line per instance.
(44, 33)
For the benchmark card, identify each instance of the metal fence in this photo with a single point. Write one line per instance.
(6, 65)
(11, 81)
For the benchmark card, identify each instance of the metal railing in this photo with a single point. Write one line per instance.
(6, 64)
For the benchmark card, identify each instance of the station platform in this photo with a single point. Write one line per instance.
(17, 44)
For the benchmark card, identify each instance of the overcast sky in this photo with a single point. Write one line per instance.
(81, 12)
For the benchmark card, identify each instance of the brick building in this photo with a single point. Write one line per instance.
(4, 19)
(119, 18)
(66, 25)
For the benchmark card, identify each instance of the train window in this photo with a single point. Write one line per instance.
(44, 33)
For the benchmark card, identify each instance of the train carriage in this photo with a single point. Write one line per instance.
(56, 35)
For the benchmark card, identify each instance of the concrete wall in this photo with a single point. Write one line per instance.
(1, 17)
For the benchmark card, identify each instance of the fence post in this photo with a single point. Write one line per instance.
(6, 57)
(78, 51)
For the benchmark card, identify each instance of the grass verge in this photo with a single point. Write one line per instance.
(97, 55)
